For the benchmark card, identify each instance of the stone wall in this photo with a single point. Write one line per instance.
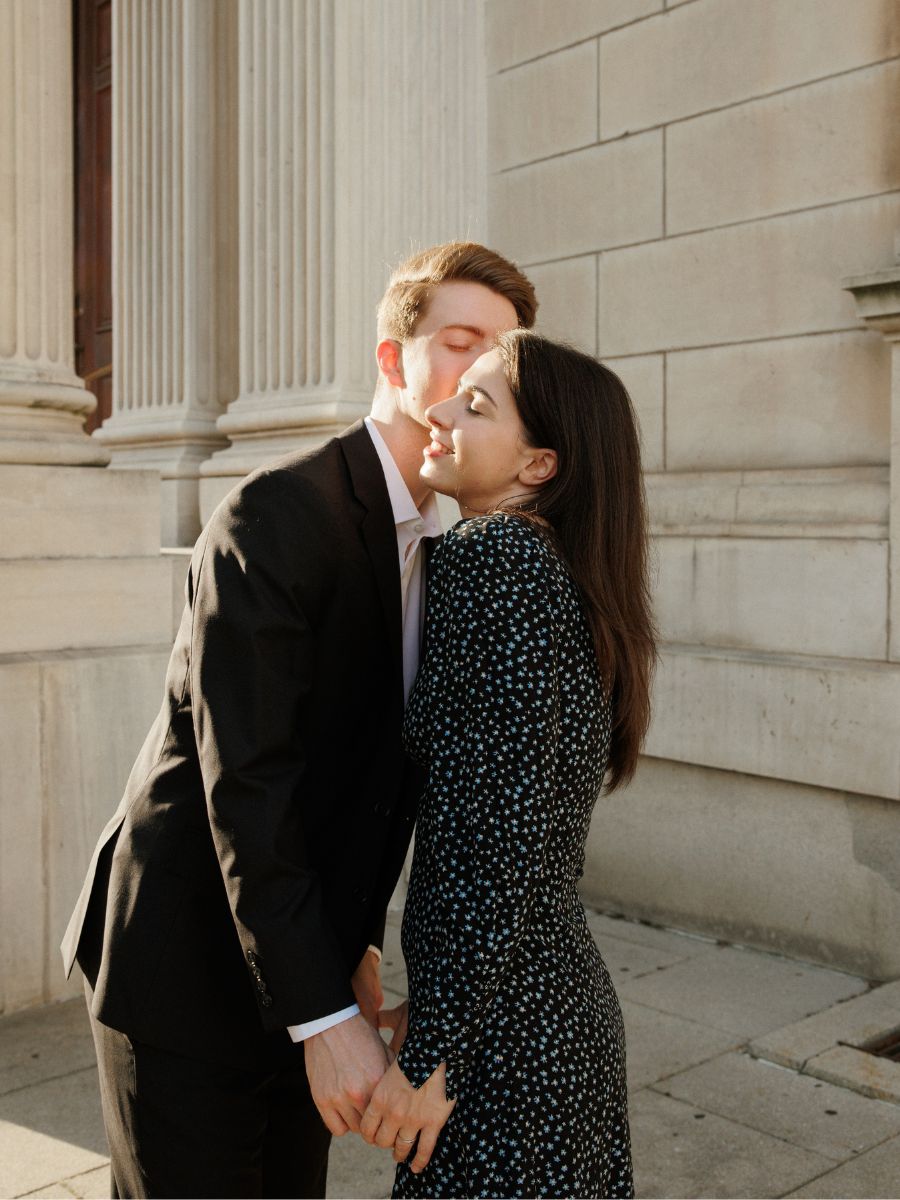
(86, 598)
(688, 184)
(86, 605)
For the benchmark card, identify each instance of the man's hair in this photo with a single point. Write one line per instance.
(412, 285)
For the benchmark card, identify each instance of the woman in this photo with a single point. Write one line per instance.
(534, 688)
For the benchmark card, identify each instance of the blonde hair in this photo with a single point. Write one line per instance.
(412, 285)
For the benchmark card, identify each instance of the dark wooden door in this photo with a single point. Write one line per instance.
(92, 27)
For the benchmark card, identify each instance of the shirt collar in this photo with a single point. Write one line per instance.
(402, 504)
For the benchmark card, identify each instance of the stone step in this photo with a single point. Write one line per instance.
(81, 512)
(54, 604)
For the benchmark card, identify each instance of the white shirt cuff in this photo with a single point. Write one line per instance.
(376, 952)
(299, 1033)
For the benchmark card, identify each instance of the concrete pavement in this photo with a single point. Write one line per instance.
(709, 1119)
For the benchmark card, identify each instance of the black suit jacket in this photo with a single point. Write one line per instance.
(266, 819)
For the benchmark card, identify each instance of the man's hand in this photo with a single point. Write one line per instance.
(396, 1019)
(366, 984)
(344, 1065)
(398, 1113)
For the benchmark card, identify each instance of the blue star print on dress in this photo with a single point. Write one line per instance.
(505, 982)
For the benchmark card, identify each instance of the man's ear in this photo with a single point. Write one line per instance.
(390, 362)
(540, 468)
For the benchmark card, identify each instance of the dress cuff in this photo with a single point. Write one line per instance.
(418, 1067)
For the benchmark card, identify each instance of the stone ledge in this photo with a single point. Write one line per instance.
(854, 1021)
(840, 502)
(829, 722)
(827, 1045)
(865, 1073)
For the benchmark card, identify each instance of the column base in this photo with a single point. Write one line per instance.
(177, 454)
(42, 422)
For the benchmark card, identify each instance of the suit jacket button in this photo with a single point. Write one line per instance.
(265, 1000)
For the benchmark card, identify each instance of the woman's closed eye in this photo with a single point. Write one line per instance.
(475, 398)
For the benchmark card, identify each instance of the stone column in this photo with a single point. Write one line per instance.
(411, 156)
(361, 138)
(289, 391)
(878, 304)
(174, 235)
(43, 403)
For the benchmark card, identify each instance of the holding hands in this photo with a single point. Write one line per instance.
(344, 1065)
(345, 1062)
(357, 1085)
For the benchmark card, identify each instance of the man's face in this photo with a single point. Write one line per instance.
(462, 322)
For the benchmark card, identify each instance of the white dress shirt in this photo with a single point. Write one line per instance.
(412, 525)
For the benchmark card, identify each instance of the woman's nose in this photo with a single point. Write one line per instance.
(438, 414)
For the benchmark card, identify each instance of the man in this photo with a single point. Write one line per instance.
(230, 924)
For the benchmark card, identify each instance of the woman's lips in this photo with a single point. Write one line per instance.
(436, 450)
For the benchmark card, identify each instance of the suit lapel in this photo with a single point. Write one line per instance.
(378, 531)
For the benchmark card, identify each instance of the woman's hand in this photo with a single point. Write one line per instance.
(398, 1113)
(396, 1019)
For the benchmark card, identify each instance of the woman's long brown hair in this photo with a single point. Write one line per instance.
(597, 508)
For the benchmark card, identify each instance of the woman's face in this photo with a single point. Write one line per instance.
(479, 453)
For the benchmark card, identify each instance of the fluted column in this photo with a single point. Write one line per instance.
(361, 137)
(411, 150)
(174, 235)
(289, 390)
(43, 403)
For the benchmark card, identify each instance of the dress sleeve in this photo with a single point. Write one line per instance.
(493, 779)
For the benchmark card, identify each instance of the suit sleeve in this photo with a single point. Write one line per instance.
(252, 660)
(497, 771)
(376, 934)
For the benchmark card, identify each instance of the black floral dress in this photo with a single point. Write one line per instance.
(505, 982)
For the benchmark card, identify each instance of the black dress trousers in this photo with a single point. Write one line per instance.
(182, 1127)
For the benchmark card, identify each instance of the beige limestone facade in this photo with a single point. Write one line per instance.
(706, 195)
(691, 202)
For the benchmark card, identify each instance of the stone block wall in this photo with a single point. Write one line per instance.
(86, 615)
(689, 184)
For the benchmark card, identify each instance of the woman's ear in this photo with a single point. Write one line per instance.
(390, 362)
(540, 468)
